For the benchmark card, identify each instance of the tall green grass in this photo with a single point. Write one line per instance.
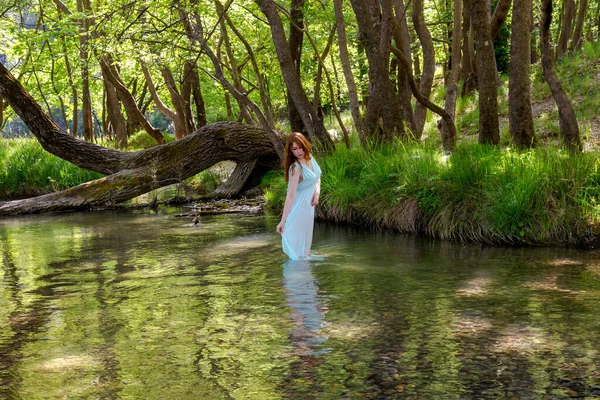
(481, 194)
(26, 169)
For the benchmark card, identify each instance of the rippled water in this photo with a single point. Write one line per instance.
(142, 305)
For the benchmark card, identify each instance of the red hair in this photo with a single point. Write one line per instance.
(290, 158)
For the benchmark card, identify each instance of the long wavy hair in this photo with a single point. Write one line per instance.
(290, 158)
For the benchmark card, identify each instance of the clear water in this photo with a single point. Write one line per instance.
(142, 305)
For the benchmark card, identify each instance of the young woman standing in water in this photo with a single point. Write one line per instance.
(303, 175)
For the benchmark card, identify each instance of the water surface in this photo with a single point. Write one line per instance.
(144, 305)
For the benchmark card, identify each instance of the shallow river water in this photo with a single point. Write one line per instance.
(145, 305)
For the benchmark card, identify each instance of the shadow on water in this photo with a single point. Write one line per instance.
(137, 305)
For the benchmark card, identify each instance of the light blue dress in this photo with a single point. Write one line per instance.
(298, 230)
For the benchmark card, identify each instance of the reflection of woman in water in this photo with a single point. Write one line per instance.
(301, 292)
(303, 175)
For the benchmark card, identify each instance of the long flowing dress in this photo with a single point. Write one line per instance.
(298, 230)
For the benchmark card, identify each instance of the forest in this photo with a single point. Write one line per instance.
(470, 121)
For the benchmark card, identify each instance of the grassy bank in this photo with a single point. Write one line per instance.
(480, 194)
(26, 170)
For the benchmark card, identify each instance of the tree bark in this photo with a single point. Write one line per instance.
(520, 117)
(569, 128)
(577, 39)
(499, 16)
(489, 129)
(426, 82)
(312, 122)
(467, 74)
(565, 31)
(383, 103)
(449, 137)
(348, 75)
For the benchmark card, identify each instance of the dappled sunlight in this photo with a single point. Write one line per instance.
(475, 287)
(564, 262)
(240, 245)
(470, 323)
(351, 331)
(69, 362)
(523, 340)
(549, 283)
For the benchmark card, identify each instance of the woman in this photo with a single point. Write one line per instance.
(304, 186)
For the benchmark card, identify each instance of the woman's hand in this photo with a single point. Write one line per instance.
(279, 228)
(315, 199)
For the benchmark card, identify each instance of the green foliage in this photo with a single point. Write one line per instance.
(482, 194)
(206, 181)
(26, 169)
(141, 140)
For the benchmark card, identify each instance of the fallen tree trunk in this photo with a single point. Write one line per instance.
(132, 174)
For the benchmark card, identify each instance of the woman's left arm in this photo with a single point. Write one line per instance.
(315, 198)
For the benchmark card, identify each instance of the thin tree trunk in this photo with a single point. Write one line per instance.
(532, 35)
(402, 39)
(348, 75)
(565, 31)
(319, 77)
(234, 68)
(426, 82)
(295, 45)
(181, 127)
(520, 118)
(83, 6)
(577, 40)
(489, 129)
(569, 128)
(131, 108)
(449, 137)
(117, 122)
(260, 82)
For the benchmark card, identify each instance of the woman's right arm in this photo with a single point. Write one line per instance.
(289, 199)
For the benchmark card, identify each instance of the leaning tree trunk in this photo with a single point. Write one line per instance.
(499, 16)
(117, 122)
(520, 118)
(130, 174)
(569, 129)
(489, 128)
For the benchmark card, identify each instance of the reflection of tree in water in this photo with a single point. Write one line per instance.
(301, 291)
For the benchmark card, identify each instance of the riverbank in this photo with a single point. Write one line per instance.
(480, 194)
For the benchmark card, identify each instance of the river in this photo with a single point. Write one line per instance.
(145, 305)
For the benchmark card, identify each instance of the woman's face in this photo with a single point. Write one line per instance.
(297, 151)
